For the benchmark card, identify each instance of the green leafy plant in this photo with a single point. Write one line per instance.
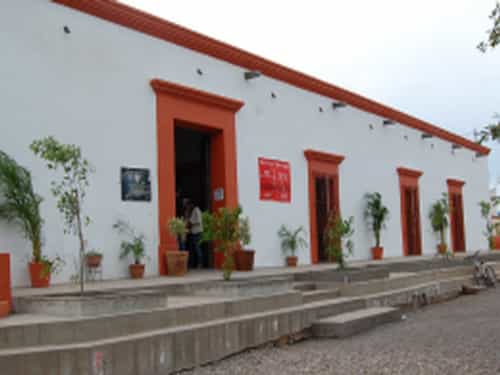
(20, 204)
(493, 39)
(135, 246)
(489, 231)
(291, 240)
(245, 231)
(338, 232)
(376, 214)
(438, 215)
(177, 227)
(70, 189)
(93, 253)
(222, 227)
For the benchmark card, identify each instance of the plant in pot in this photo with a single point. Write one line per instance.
(291, 241)
(338, 232)
(177, 261)
(93, 258)
(20, 205)
(243, 257)
(376, 215)
(222, 227)
(70, 189)
(134, 247)
(438, 215)
(489, 231)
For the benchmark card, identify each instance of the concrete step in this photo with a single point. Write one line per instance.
(320, 295)
(181, 347)
(304, 286)
(353, 322)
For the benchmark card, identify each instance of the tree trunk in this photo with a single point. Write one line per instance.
(82, 246)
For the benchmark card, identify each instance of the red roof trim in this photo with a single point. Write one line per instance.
(133, 18)
(232, 105)
(409, 172)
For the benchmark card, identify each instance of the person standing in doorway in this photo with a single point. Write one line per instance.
(195, 228)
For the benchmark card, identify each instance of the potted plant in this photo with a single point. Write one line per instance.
(291, 241)
(93, 259)
(338, 232)
(135, 247)
(243, 257)
(438, 215)
(222, 227)
(70, 189)
(177, 261)
(486, 208)
(376, 215)
(20, 205)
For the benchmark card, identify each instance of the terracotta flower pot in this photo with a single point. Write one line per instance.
(93, 261)
(291, 261)
(496, 243)
(441, 248)
(377, 252)
(40, 278)
(177, 262)
(243, 260)
(136, 271)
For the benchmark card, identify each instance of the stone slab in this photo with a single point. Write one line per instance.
(353, 322)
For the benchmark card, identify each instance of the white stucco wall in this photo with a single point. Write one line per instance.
(92, 88)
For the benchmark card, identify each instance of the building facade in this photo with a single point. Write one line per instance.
(128, 87)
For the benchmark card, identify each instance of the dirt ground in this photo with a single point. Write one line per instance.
(461, 336)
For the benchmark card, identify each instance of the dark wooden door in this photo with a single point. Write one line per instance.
(457, 222)
(412, 221)
(326, 204)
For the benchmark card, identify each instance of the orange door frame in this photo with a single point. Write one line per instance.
(320, 163)
(207, 112)
(409, 178)
(455, 187)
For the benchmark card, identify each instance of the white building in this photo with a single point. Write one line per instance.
(118, 82)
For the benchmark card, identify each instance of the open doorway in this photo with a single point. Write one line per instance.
(192, 179)
(326, 205)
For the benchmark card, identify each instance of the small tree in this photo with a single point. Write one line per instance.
(338, 232)
(486, 208)
(222, 227)
(438, 215)
(493, 39)
(376, 214)
(70, 189)
(291, 240)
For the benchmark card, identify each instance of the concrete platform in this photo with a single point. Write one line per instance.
(353, 322)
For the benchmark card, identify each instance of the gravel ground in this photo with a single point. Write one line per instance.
(461, 336)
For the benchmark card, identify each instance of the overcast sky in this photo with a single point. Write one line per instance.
(417, 56)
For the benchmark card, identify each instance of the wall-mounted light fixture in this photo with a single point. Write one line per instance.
(426, 136)
(320, 109)
(66, 29)
(251, 74)
(455, 146)
(199, 72)
(338, 105)
(273, 95)
(388, 122)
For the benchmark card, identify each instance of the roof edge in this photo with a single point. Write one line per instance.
(146, 23)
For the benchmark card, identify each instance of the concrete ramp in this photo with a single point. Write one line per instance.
(353, 322)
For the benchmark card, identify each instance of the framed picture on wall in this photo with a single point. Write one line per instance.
(136, 184)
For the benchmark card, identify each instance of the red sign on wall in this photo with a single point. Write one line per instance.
(275, 179)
